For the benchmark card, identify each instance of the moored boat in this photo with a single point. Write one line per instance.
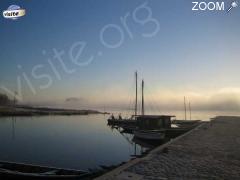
(152, 127)
(126, 121)
(150, 134)
(10, 170)
(121, 121)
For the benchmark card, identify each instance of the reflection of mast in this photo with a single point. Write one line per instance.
(13, 118)
(142, 97)
(136, 95)
(185, 110)
(13, 128)
(135, 149)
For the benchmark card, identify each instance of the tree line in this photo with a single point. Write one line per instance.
(5, 100)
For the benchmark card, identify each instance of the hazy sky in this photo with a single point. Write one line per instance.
(179, 52)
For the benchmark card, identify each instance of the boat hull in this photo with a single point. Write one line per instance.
(149, 134)
(9, 170)
(121, 122)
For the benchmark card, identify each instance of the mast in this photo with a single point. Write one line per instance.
(136, 95)
(190, 111)
(142, 97)
(185, 110)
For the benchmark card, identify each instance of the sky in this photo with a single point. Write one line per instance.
(83, 54)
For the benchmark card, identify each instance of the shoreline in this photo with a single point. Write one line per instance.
(7, 111)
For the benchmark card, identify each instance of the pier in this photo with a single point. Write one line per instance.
(209, 151)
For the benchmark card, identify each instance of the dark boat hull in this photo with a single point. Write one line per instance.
(9, 170)
(154, 135)
(121, 122)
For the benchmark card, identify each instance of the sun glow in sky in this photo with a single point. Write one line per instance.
(83, 54)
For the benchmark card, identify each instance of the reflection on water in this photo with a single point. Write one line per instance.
(129, 137)
(79, 142)
(13, 127)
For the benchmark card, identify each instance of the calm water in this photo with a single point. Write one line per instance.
(78, 142)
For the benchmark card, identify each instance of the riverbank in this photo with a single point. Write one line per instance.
(210, 151)
(40, 111)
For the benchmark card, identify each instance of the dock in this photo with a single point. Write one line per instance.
(209, 151)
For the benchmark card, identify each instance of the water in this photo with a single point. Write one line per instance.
(78, 142)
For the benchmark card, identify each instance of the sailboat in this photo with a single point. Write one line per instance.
(127, 121)
(151, 127)
(143, 126)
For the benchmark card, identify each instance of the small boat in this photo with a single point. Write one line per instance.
(10, 170)
(150, 134)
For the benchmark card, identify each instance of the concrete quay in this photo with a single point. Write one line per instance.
(209, 151)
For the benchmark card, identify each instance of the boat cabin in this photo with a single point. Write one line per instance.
(153, 122)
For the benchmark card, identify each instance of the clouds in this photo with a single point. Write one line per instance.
(224, 99)
(116, 97)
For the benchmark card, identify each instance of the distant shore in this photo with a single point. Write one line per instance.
(21, 110)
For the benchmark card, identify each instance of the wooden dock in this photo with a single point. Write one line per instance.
(209, 151)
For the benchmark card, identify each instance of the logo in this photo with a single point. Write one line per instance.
(14, 12)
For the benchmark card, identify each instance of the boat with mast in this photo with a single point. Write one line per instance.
(143, 126)
(151, 127)
(127, 121)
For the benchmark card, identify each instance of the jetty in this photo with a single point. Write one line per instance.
(208, 151)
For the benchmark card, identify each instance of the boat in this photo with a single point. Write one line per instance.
(186, 122)
(143, 126)
(152, 127)
(130, 121)
(126, 121)
(12, 170)
(149, 134)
